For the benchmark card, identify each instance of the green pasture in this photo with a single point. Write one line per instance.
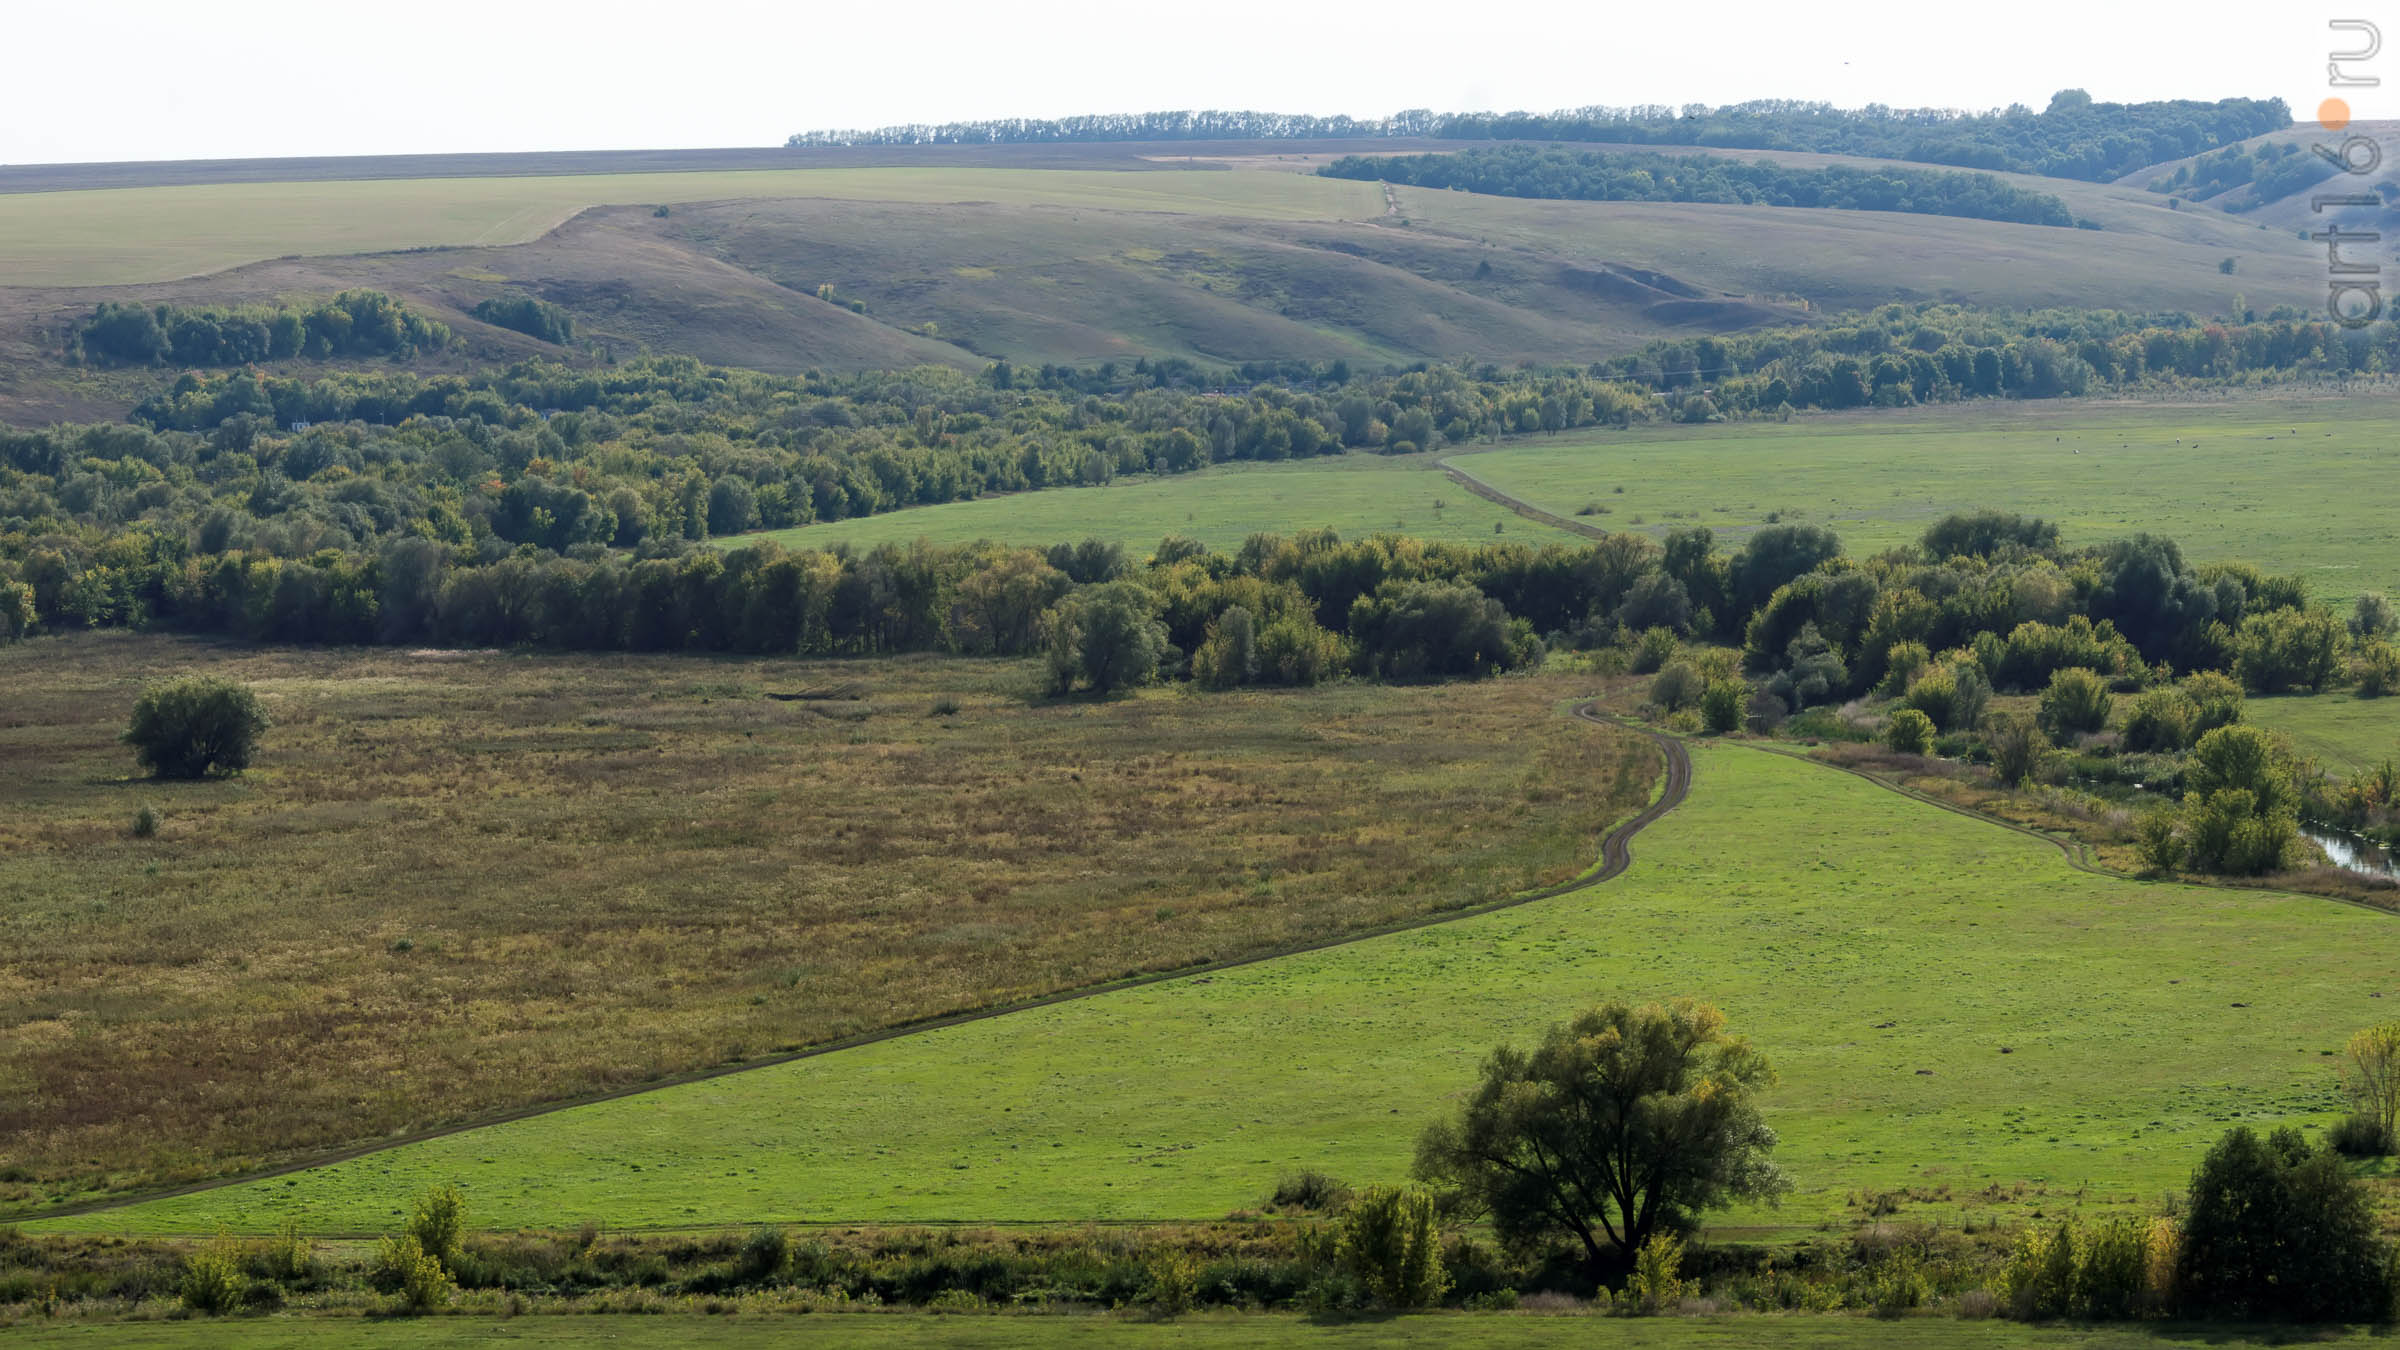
(1951, 1007)
(2293, 485)
(2343, 733)
(121, 236)
(909, 1331)
(1356, 495)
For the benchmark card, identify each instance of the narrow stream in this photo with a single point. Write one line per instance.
(2353, 854)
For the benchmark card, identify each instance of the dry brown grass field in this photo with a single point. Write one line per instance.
(457, 884)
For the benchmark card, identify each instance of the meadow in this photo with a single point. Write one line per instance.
(2290, 484)
(122, 236)
(2344, 733)
(1964, 1025)
(1355, 495)
(459, 883)
(909, 1331)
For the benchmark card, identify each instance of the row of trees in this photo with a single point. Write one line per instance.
(2074, 137)
(656, 452)
(352, 324)
(1899, 355)
(1620, 176)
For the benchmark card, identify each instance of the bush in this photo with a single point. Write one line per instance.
(1173, 1285)
(1721, 705)
(145, 822)
(1677, 687)
(1954, 695)
(1389, 1244)
(1909, 733)
(1654, 649)
(405, 1268)
(524, 314)
(2359, 1135)
(1311, 1190)
(2377, 669)
(2017, 747)
(195, 726)
(2076, 703)
(212, 1277)
(1901, 666)
(2160, 720)
(2218, 700)
(439, 1220)
(765, 1255)
(1656, 1284)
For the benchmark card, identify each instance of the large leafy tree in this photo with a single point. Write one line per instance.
(1624, 1122)
(1106, 636)
(2278, 1229)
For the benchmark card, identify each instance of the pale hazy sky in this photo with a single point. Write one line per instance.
(146, 79)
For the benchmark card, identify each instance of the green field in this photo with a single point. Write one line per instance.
(2291, 485)
(121, 236)
(908, 1331)
(1356, 495)
(2344, 733)
(1951, 1006)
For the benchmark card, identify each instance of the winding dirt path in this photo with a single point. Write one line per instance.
(1616, 855)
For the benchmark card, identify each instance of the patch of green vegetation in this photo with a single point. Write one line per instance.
(1957, 1015)
(2343, 733)
(457, 883)
(1354, 495)
(908, 1331)
(2290, 485)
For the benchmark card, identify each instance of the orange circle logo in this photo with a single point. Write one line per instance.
(2334, 114)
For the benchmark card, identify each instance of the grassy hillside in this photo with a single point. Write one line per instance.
(459, 883)
(967, 259)
(2293, 485)
(125, 235)
(1956, 1014)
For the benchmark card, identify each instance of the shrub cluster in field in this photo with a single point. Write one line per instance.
(354, 323)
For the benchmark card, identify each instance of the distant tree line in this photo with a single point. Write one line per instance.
(1210, 125)
(527, 315)
(354, 323)
(1640, 176)
(2073, 137)
(1899, 355)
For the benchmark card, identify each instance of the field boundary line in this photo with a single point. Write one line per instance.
(1518, 504)
(1615, 856)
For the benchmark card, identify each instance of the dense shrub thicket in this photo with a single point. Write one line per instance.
(2073, 137)
(1635, 176)
(527, 315)
(352, 324)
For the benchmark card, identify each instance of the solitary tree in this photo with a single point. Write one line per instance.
(195, 726)
(1626, 1122)
(2373, 1073)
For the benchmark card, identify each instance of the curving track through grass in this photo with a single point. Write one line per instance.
(1615, 856)
(1954, 1008)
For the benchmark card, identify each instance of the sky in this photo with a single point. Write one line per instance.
(142, 79)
